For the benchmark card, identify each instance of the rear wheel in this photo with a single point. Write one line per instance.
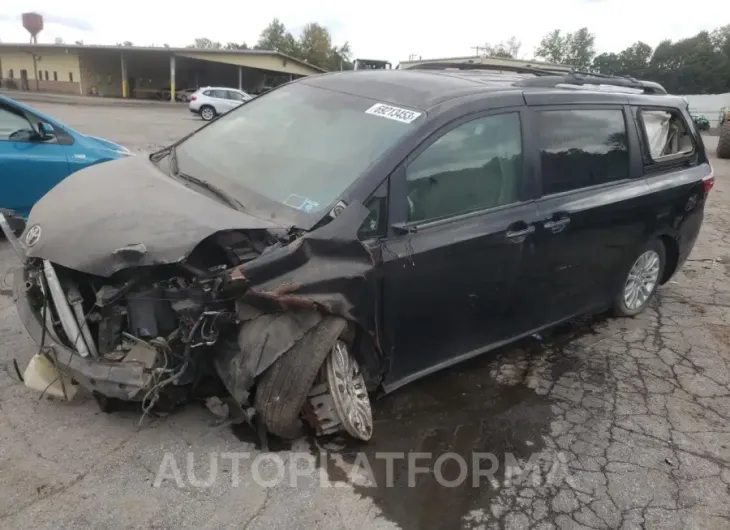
(641, 280)
(723, 143)
(207, 112)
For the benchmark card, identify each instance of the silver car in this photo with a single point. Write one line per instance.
(210, 102)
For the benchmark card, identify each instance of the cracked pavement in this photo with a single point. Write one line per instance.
(635, 411)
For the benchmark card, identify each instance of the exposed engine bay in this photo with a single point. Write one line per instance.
(165, 319)
(224, 319)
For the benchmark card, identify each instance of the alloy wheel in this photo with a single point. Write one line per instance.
(642, 280)
(349, 394)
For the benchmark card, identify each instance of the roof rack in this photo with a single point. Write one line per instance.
(589, 80)
(476, 66)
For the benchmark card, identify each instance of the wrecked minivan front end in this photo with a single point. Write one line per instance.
(215, 321)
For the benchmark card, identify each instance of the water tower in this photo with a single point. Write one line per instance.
(33, 22)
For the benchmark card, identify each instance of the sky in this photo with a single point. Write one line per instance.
(376, 29)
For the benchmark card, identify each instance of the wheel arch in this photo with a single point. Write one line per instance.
(671, 256)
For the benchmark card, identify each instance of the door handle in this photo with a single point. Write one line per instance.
(557, 224)
(514, 234)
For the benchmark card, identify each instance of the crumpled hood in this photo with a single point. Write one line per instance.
(127, 203)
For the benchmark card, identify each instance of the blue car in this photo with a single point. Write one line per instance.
(37, 152)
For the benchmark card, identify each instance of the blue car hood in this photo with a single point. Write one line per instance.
(106, 144)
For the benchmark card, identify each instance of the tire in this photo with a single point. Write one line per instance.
(621, 307)
(723, 143)
(207, 112)
(283, 388)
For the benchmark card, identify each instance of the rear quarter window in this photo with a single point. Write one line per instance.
(665, 134)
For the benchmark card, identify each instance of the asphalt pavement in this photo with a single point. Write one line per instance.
(612, 423)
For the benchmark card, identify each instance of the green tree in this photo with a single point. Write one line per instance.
(206, 44)
(340, 58)
(581, 47)
(576, 49)
(315, 45)
(509, 48)
(553, 47)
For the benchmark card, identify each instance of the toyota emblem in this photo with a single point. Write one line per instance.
(33, 235)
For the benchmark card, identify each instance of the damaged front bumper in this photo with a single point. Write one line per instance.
(227, 314)
(126, 381)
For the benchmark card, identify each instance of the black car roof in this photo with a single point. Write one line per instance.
(424, 89)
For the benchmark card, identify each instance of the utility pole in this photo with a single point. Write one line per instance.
(477, 48)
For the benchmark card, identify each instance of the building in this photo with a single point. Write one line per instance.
(141, 72)
(491, 61)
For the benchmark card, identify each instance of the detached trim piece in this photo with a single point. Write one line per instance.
(8, 231)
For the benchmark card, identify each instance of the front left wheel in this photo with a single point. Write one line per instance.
(641, 280)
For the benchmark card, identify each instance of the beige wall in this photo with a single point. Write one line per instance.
(101, 73)
(63, 69)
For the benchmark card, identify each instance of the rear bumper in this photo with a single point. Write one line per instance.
(115, 380)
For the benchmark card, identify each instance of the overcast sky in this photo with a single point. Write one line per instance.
(392, 29)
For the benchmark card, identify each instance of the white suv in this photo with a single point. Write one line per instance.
(210, 101)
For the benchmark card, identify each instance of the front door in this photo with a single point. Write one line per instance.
(451, 269)
(30, 167)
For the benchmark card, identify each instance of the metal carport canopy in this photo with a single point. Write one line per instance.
(271, 61)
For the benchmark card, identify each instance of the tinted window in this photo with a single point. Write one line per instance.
(477, 165)
(581, 148)
(215, 93)
(11, 123)
(234, 95)
(300, 147)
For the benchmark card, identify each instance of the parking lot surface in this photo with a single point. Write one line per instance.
(629, 418)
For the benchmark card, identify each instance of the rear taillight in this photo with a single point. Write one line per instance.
(708, 182)
(193, 98)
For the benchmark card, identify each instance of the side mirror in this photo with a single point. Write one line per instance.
(45, 130)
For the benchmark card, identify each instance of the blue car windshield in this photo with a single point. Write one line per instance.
(298, 147)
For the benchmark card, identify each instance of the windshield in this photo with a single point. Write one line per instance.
(294, 151)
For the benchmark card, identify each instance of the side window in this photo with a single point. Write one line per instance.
(234, 95)
(221, 94)
(581, 148)
(14, 127)
(666, 134)
(208, 93)
(475, 166)
(376, 223)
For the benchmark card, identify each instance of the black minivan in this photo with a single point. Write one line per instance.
(348, 233)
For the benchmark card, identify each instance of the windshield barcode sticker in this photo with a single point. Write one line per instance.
(393, 113)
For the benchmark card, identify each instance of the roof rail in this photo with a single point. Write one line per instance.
(589, 78)
(527, 69)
